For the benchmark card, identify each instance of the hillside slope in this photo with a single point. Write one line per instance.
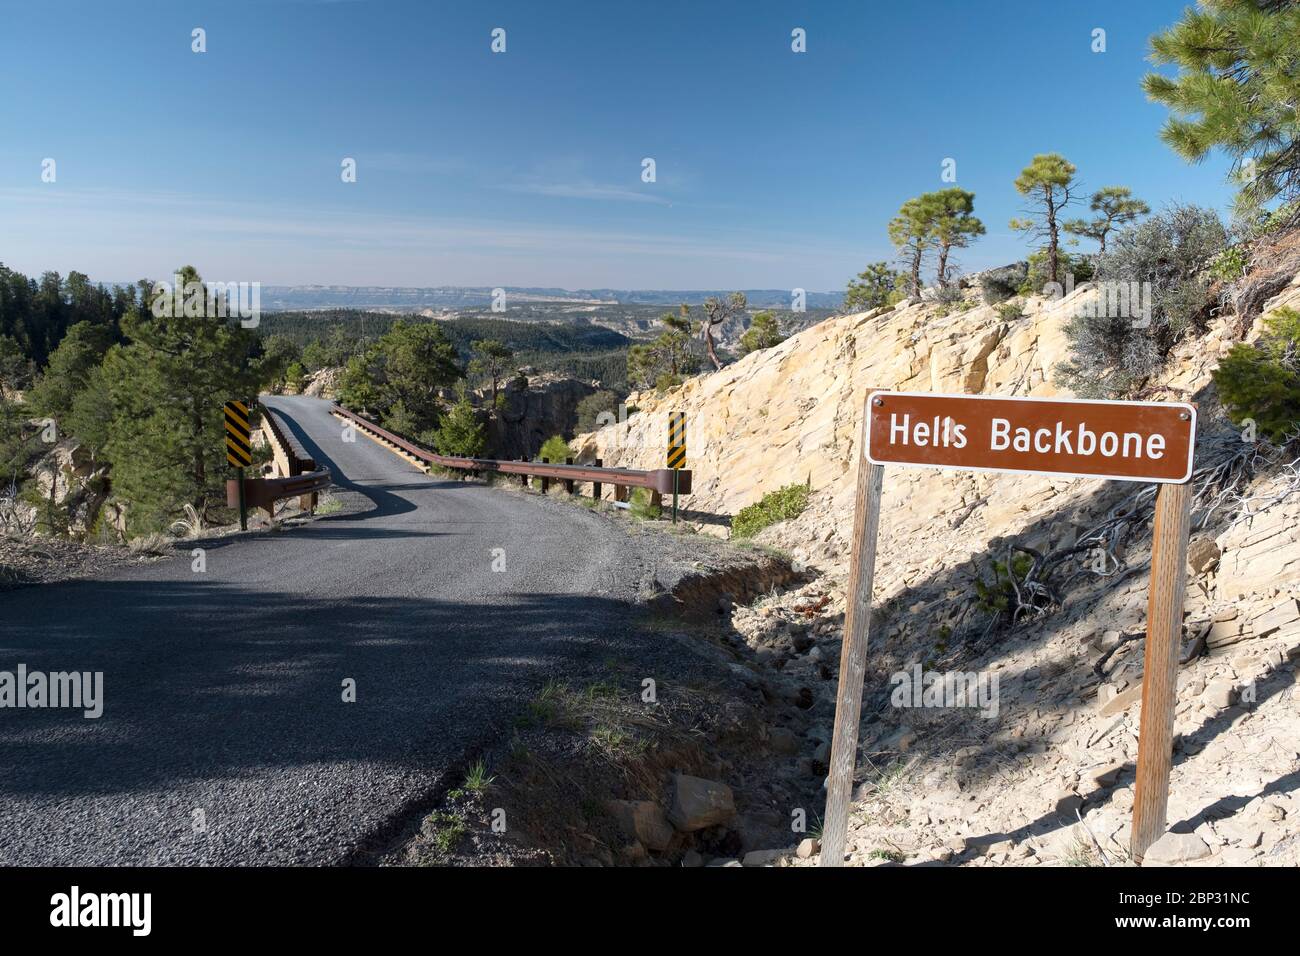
(946, 784)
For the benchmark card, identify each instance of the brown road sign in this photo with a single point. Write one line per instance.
(676, 440)
(1123, 441)
(239, 439)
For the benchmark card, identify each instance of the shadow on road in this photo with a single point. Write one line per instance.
(204, 681)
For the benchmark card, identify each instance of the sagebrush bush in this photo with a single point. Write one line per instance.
(780, 505)
(1261, 382)
(1165, 260)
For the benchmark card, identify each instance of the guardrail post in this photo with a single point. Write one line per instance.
(568, 482)
(523, 479)
(546, 482)
(595, 485)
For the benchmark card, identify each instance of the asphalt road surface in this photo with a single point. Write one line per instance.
(224, 737)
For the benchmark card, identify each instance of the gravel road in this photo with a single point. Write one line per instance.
(224, 737)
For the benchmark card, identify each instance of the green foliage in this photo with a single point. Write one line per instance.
(1048, 184)
(872, 289)
(1112, 355)
(994, 598)
(642, 505)
(331, 350)
(15, 367)
(909, 231)
(81, 351)
(295, 376)
(664, 361)
(1011, 311)
(780, 505)
(1261, 382)
(492, 361)
(555, 450)
(278, 354)
(952, 224)
(19, 443)
(410, 364)
(36, 314)
(461, 433)
(1038, 276)
(763, 333)
(166, 387)
(1237, 87)
(1115, 207)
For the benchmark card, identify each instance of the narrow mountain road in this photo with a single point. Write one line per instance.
(225, 738)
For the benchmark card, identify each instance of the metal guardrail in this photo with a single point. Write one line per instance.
(303, 481)
(659, 480)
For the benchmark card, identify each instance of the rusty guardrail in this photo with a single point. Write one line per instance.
(658, 480)
(304, 479)
(265, 492)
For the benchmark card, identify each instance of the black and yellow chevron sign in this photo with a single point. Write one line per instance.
(676, 440)
(239, 439)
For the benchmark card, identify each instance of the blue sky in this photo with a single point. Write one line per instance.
(774, 169)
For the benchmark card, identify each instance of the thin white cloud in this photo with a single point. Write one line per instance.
(586, 190)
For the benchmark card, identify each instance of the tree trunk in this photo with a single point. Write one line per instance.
(943, 265)
(708, 342)
(1051, 237)
(916, 271)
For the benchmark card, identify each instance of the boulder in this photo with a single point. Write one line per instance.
(1176, 848)
(699, 803)
(643, 820)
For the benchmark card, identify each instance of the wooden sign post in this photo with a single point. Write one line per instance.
(1120, 441)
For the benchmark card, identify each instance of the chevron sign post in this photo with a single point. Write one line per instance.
(239, 449)
(676, 450)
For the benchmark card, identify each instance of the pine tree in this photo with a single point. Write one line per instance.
(952, 223)
(1048, 183)
(663, 361)
(1115, 207)
(873, 287)
(910, 232)
(1237, 89)
(492, 361)
(167, 387)
(461, 433)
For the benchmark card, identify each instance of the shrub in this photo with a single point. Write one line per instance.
(1010, 311)
(555, 450)
(1261, 382)
(643, 506)
(998, 285)
(1166, 256)
(460, 433)
(1037, 275)
(780, 505)
(995, 598)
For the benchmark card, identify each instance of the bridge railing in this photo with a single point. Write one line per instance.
(659, 481)
(300, 479)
